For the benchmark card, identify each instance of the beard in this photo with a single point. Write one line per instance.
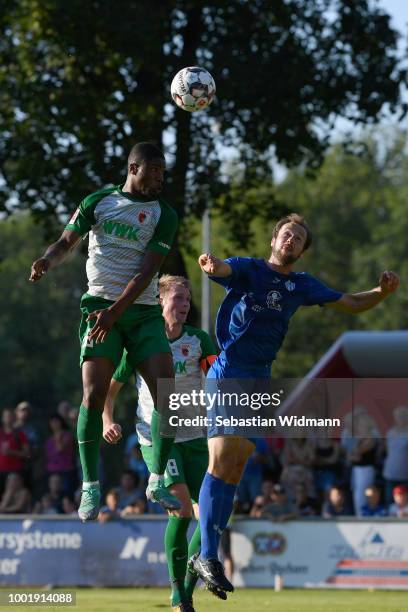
(284, 258)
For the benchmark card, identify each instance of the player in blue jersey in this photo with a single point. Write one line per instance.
(262, 296)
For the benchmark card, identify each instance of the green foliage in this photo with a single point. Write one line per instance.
(80, 82)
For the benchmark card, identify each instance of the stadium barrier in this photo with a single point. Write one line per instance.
(346, 553)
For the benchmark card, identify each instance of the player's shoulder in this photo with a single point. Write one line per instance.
(243, 262)
(92, 199)
(191, 330)
(167, 209)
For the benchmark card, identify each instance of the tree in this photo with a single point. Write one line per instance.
(81, 82)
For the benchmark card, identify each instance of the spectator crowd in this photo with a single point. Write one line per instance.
(360, 474)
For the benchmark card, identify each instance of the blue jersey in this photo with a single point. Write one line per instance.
(253, 319)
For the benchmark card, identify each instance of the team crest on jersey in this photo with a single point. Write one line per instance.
(290, 286)
(272, 300)
(143, 215)
(185, 349)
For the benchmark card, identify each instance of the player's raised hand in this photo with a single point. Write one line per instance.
(389, 282)
(214, 266)
(104, 323)
(112, 432)
(38, 269)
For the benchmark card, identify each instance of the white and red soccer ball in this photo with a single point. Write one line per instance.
(193, 89)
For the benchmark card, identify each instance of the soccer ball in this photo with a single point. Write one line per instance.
(193, 89)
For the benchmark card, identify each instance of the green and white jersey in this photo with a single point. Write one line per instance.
(188, 351)
(121, 229)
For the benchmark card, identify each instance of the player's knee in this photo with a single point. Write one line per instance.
(94, 397)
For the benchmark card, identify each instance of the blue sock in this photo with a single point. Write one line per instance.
(226, 509)
(227, 504)
(210, 503)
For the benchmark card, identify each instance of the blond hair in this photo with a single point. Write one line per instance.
(167, 281)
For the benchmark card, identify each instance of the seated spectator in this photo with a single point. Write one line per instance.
(52, 499)
(16, 498)
(110, 511)
(305, 505)
(336, 505)
(260, 501)
(45, 505)
(138, 507)
(251, 482)
(135, 462)
(295, 475)
(69, 506)
(373, 505)
(128, 491)
(14, 448)
(60, 453)
(279, 508)
(395, 470)
(400, 506)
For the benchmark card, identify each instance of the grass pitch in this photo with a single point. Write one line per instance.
(157, 600)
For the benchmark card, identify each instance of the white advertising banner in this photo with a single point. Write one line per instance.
(343, 554)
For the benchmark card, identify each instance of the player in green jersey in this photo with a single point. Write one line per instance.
(193, 352)
(131, 230)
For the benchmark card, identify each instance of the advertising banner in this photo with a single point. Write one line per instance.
(331, 554)
(321, 553)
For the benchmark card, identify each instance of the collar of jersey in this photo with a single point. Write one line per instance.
(183, 331)
(128, 196)
(272, 271)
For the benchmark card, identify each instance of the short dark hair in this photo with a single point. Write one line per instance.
(299, 220)
(144, 151)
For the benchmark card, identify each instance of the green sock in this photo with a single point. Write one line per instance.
(161, 446)
(176, 546)
(89, 432)
(193, 547)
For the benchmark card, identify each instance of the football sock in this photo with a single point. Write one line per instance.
(193, 547)
(89, 432)
(227, 506)
(161, 446)
(210, 504)
(176, 547)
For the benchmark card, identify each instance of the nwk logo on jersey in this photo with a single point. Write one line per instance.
(121, 230)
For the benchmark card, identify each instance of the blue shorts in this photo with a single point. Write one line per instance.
(227, 386)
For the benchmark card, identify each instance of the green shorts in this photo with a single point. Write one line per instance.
(140, 330)
(188, 463)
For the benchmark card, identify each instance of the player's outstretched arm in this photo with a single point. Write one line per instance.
(213, 266)
(112, 432)
(54, 255)
(359, 302)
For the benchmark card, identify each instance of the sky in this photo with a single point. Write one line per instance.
(398, 9)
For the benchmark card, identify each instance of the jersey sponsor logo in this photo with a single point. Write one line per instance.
(180, 367)
(290, 286)
(164, 245)
(185, 349)
(74, 217)
(272, 300)
(121, 230)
